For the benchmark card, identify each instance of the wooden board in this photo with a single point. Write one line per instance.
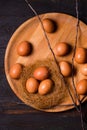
(31, 31)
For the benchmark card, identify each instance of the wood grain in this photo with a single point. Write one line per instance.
(32, 32)
(12, 14)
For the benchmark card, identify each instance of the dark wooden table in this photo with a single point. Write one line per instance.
(14, 114)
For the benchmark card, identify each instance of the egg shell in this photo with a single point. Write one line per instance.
(24, 48)
(81, 55)
(15, 71)
(84, 69)
(48, 25)
(41, 73)
(45, 86)
(81, 87)
(61, 49)
(65, 68)
(32, 85)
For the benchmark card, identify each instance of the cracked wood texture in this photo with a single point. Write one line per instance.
(14, 114)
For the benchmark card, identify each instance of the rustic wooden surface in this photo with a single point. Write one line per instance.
(13, 113)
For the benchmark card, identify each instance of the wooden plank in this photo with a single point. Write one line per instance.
(15, 116)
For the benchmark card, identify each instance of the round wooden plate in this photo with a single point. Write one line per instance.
(31, 31)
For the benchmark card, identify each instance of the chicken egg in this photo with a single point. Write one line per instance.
(84, 69)
(45, 86)
(48, 25)
(41, 73)
(15, 71)
(81, 87)
(61, 49)
(65, 68)
(32, 85)
(81, 55)
(24, 48)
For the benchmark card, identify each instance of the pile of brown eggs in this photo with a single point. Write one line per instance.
(40, 81)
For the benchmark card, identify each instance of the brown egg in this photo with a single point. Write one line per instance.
(49, 25)
(84, 69)
(81, 87)
(45, 86)
(24, 48)
(16, 71)
(41, 73)
(65, 68)
(81, 55)
(32, 85)
(61, 49)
